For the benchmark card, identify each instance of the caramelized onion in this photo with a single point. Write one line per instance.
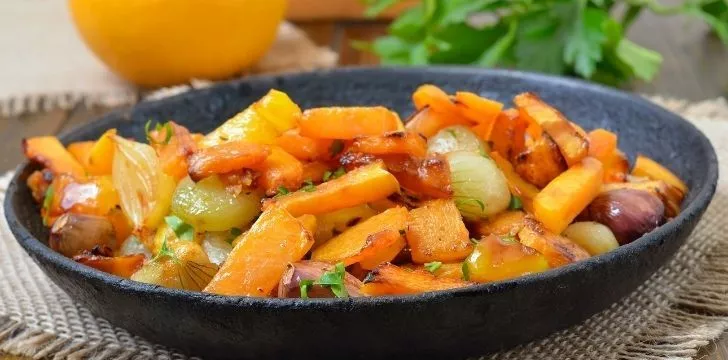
(312, 270)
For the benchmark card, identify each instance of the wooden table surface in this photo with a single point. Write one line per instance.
(695, 68)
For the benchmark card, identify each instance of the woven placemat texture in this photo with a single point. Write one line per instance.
(680, 308)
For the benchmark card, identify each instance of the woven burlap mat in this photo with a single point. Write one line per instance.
(682, 307)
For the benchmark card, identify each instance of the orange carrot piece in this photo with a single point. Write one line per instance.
(558, 204)
(174, 153)
(602, 144)
(436, 232)
(359, 186)
(385, 246)
(505, 133)
(428, 121)
(429, 177)
(279, 169)
(304, 148)
(646, 167)
(121, 266)
(476, 108)
(365, 239)
(616, 168)
(258, 260)
(226, 157)
(314, 171)
(517, 185)
(49, 152)
(558, 250)
(348, 122)
(574, 147)
(399, 142)
(388, 279)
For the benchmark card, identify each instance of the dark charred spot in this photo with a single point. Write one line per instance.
(395, 135)
(353, 221)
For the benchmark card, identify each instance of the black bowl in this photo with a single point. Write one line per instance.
(470, 321)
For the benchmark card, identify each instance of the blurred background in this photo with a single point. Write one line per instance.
(66, 62)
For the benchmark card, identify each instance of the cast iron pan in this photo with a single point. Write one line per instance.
(471, 321)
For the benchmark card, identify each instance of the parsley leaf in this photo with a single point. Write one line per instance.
(164, 251)
(477, 202)
(282, 190)
(516, 203)
(452, 133)
(308, 186)
(47, 202)
(158, 128)
(334, 280)
(183, 230)
(433, 266)
(304, 285)
(584, 44)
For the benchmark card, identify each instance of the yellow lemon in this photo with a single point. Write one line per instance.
(165, 42)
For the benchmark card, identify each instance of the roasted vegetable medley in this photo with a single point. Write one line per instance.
(349, 201)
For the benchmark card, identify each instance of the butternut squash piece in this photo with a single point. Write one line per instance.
(507, 223)
(501, 132)
(433, 97)
(616, 168)
(348, 122)
(314, 171)
(226, 157)
(646, 167)
(304, 148)
(558, 250)
(80, 151)
(428, 177)
(257, 262)
(388, 279)
(384, 247)
(476, 108)
(121, 266)
(573, 146)
(361, 241)
(540, 163)
(335, 223)
(518, 186)
(402, 143)
(102, 154)
(427, 122)
(279, 169)
(49, 152)
(602, 144)
(558, 204)
(436, 232)
(359, 186)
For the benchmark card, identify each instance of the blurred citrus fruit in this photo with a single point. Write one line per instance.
(165, 42)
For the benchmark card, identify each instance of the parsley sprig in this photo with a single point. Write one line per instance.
(433, 266)
(183, 230)
(573, 37)
(158, 128)
(333, 280)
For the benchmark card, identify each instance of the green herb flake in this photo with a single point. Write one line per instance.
(337, 146)
(282, 190)
(47, 202)
(183, 230)
(433, 266)
(339, 173)
(516, 203)
(164, 251)
(327, 175)
(167, 127)
(334, 280)
(452, 133)
(466, 271)
(308, 186)
(304, 286)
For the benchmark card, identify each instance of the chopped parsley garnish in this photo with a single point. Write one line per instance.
(47, 202)
(281, 191)
(433, 266)
(183, 230)
(164, 250)
(328, 175)
(308, 186)
(337, 146)
(167, 127)
(516, 203)
(304, 285)
(333, 280)
(466, 272)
